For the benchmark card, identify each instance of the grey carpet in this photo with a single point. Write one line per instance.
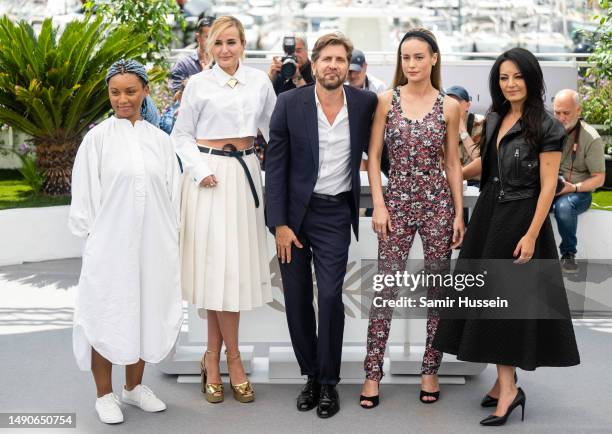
(38, 373)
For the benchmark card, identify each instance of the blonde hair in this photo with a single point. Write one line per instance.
(399, 79)
(335, 38)
(219, 26)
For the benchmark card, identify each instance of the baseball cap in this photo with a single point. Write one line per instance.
(459, 92)
(357, 61)
(206, 21)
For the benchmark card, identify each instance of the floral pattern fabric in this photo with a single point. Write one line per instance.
(418, 198)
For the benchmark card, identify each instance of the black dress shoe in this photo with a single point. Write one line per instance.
(309, 396)
(329, 403)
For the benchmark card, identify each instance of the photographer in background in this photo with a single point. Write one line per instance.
(583, 167)
(293, 69)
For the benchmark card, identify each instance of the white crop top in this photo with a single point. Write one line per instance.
(211, 109)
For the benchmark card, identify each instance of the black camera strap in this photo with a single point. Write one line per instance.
(575, 146)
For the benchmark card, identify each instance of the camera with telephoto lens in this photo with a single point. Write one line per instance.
(288, 61)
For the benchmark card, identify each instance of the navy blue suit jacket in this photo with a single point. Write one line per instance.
(292, 154)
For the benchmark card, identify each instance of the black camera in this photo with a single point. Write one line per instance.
(288, 61)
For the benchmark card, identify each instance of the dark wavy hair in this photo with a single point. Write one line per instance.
(533, 107)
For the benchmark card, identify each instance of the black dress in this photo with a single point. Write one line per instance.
(495, 229)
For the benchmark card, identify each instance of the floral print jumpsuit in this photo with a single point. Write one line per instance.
(417, 198)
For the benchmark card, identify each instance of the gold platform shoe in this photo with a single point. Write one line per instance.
(243, 392)
(212, 391)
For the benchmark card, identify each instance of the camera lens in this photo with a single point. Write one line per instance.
(288, 67)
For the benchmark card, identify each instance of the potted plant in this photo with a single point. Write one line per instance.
(52, 86)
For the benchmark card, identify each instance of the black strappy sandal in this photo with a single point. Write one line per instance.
(374, 400)
(432, 394)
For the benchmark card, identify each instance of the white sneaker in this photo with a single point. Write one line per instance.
(108, 409)
(143, 397)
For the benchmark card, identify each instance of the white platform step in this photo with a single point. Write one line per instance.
(186, 360)
(259, 375)
(403, 363)
(283, 364)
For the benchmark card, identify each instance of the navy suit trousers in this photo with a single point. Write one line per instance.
(325, 235)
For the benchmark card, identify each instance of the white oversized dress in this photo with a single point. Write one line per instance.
(125, 200)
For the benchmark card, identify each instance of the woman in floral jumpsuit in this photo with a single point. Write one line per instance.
(417, 124)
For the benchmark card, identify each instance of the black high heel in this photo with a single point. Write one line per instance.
(489, 401)
(374, 400)
(424, 394)
(519, 399)
(432, 394)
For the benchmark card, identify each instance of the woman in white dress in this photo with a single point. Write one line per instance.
(224, 259)
(125, 201)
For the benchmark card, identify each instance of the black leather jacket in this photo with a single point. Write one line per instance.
(518, 160)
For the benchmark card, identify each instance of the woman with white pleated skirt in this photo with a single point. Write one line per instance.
(224, 258)
(224, 254)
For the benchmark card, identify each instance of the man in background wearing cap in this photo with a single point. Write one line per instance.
(358, 77)
(184, 68)
(192, 63)
(470, 128)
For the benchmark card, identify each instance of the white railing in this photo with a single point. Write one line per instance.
(388, 57)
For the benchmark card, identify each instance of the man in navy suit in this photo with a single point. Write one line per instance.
(317, 136)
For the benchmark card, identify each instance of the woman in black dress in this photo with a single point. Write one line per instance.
(521, 152)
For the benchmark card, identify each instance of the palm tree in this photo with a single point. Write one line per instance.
(52, 87)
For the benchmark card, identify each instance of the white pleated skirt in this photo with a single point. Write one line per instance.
(224, 255)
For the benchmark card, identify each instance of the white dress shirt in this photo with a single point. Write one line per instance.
(334, 175)
(212, 109)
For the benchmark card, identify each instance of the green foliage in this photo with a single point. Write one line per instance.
(152, 18)
(52, 87)
(596, 106)
(159, 88)
(602, 54)
(597, 91)
(32, 175)
(602, 200)
(15, 193)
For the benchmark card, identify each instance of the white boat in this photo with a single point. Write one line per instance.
(545, 42)
(487, 34)
(370, 29)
